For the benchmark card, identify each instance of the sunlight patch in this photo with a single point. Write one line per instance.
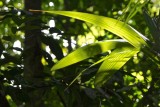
(48, 49)
(52, 23)
(17, 44)
(65, 43)
(51, 4)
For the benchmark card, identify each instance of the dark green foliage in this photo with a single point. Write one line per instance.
(136, 84)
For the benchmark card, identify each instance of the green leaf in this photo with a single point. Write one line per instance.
(114, 62)
(89, 51)
(54, 46)
(17, 20)
(132, 8)
(14, 30)
(119, 56)
(152, 24)
(117, 27)
(116, 59)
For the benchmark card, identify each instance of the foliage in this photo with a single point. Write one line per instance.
(83, 64)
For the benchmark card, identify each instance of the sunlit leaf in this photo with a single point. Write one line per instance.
(115, 26)
(117, 58)
(89, 51)
(114, 62)
(132, 8)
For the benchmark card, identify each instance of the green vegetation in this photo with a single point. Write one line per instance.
(80, 53)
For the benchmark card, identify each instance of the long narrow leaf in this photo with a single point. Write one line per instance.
(115, 26)
(152, 27)
(113, 63)
(120, 56)
(89, 51)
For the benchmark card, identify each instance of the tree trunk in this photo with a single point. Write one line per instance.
(3, 100)
(33, 67)
(32, 56)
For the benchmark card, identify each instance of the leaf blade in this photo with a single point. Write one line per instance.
(117, 27)
(113, 63)
(88, 51)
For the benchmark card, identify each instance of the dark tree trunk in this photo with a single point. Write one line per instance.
(32, 55)
(3, 100)
(33, 67)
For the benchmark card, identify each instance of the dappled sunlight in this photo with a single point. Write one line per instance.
(48, 49)
(51, 23)
(2, 57)
(45, 31)
(91, 36)
(51, 4)
(73, 43)
(87, 53)
(53, 56)
(65, 43)
(17, 44)
(138, 75)
(156, 6)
